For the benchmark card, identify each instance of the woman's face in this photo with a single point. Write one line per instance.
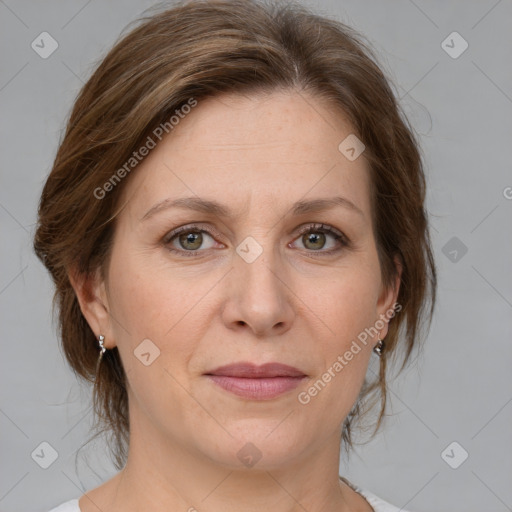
(243, 283)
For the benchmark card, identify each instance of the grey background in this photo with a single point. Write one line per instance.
(459, 390)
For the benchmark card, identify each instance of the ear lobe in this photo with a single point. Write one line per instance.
(91, 295)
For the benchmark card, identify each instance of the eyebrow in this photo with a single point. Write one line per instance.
(213, 207)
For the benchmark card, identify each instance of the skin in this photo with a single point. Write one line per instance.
(256, 155)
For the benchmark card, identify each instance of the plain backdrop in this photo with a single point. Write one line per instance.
(460, 389)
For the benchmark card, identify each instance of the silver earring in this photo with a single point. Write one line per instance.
(100, 340)
(379, 348)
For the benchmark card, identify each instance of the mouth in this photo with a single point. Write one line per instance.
(257, 382)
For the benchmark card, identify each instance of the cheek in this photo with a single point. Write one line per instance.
(347, 304)
(149, 302)
(153, 315)
(346, 307)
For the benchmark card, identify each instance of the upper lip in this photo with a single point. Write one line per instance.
(250, 370)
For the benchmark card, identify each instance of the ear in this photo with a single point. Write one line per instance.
(91, 293)
(389, 297)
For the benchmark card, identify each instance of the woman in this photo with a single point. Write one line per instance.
(235, 225)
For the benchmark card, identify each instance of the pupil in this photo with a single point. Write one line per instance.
(192, 238)
(315, 238)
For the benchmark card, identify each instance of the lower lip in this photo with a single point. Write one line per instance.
(257, 389)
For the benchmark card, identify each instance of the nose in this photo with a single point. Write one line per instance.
(259, 299)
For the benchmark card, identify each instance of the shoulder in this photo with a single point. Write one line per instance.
(378, 504)
(68, 506)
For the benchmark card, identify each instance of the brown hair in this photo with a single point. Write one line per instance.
(200, 49)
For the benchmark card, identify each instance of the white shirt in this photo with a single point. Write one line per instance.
(378, 504)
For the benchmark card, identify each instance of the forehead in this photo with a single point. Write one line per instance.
(263, 149)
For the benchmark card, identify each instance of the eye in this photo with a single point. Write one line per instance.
(189, 240)
(315, 237)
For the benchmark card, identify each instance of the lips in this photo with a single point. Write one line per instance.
(252, 371)
(253, 382)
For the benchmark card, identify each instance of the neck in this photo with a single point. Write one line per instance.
(162, 475)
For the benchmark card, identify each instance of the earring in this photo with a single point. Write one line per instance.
(101, 339)
(379, 348)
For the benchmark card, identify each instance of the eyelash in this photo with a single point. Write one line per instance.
(342, 240)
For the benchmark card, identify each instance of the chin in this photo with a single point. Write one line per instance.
(256, 444)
